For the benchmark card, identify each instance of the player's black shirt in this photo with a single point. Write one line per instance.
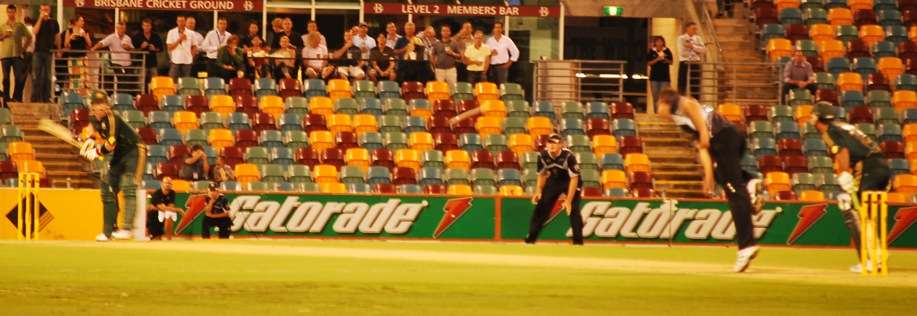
(842, 135)
(122, 135)
(220, 206)
(559, 169)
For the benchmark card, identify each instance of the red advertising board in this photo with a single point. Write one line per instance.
(460, 9)
(173, 5)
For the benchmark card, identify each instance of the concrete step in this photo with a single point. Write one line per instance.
(678, 184)
(693, 175)
(676, 167)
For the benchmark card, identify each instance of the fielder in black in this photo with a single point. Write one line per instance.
(558, 178)
(857, 160)
(721, 146)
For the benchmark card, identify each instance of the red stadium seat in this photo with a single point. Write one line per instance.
(907, 49)
(860, 114)
(8, 170)
(597, 127)
(79, 119)
(795, 164)
(756, 112)
(445, 141)
(786, 196)
(314, 122)
(465, 126)
(147, 135)
(346, 140)
(892, 149)
(197, 104)
(444, 108)
(481, 159)
(177, 153)
(333, 156)
(246, 138)
(621, 110)
(630, 144)
(789, 146)
(643, 193)
(466, 105)
(827, 95)
(435, 189)
(877, 81)
(412, 90)
(864, 17)
(247, 104)
(796, 32)
(440, 124)
(384, 188)
(233, 155)
(166, 169)
(306, 156)
(591, 191)
(506, 159)
(402, 175)
(857, 48)
(640, 180)
(770, 163)
(240, 86)
(146, 103)
(290, 87)
(383, 157)
(765, 15)
(262, 121)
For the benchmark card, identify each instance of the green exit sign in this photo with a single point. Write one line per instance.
(611, 10)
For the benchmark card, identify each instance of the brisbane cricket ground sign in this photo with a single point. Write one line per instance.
(171, 5)
(500, 218)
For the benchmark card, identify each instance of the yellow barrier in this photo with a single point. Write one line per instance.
(59, 214)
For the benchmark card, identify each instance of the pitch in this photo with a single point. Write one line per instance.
(337, 277)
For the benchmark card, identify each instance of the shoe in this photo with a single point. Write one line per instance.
(102, 238)
(858, 268)
(744, 257)
(756, 191)
(122, 234)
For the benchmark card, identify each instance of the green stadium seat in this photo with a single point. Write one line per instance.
(346, 106)
(885, 48)
(135, 118)
(296, 105)
(273, 173)
(906, 82)
(457, 176)
(214, 86)
(395, 140)
(825, 80)
(211, 120)
(511, 91)
(370, 140)
(189, 86)
(369, 106)
(299, 173)
(160, 119)
(392, 123)
(270, 139)
(470, 142)
(295, 139)
(879, 98)
(196, 137)
(485, 189)
(518, 108)
(432, 159)
(314, 88)
(256, 155)
(514, 125)
(389, 89)
(598, 110)
(415, 124)
(352, 174)
(463, 91)
(364, 89)
(379, 175)
(572, 110)
(803, 181)
(431, 176)
(495, 143)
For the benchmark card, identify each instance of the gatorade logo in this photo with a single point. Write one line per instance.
(904, 219)
(808, 216)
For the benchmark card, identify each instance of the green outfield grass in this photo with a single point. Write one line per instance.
(321, 277)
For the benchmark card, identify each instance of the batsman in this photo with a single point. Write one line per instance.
(114, 140)
(859, 165)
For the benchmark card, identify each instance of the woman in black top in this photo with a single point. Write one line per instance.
(76, 39)
(658, 60)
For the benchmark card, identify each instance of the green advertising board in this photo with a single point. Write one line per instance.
(503, 218)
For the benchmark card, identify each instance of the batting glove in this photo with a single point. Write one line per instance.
(846, 181)
(844, 203)
(89, 150)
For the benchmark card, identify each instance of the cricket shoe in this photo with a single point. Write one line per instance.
(744, 257)
(756, 192)
(122, 234)
(858, 268)
(102, 238)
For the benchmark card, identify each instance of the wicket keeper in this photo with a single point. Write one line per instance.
(859, 165)
(112, 135)
(558, 178)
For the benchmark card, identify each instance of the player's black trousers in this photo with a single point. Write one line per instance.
(549, 196)
(726, 149)
(224, 223)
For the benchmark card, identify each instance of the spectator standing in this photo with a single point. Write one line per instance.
(200, 62)
(45, 31)
(215, 40)
(505, 53)
(195, 165)
(231, 60)
(363, 41)
(464, 38)
(276, 29)
(445, 52)
(659, 58)
(391, 35)
(477, 57)
(150, 42)
(315, 58)
(410, 49)
(118, 43)
(798, 74)
(14, 38)
(428, 39)
(382, 61)
(221, 172)
(294, 39)
(312, 28)
(161, 212)
(691, 52)
(180, 45)
(29, 44)
(349, 59)
(253, 31)
(216, 213)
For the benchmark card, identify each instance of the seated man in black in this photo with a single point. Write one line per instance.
(162, 211)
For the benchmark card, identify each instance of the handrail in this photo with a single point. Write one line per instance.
(709, 31)
(96, 70)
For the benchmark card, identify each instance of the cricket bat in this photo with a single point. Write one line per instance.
(59, 131)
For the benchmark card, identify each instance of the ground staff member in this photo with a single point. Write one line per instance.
(723, 143)
(111, 134)
(216, 213)
(857, 159)
(558, 178)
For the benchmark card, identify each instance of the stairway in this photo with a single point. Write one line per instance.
(751, 83)
(673, 158)
(64, 167)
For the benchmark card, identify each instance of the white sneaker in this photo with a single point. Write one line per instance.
(122, 234)
(102, 238)
(756, 192)
(744, 257)
(858, 268)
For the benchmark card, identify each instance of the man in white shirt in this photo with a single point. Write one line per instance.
(198, 39)
(505, 53)
(362, 40)
(691, 51)
(391, 35)
(118, 43)
(215, 39)
(180, 45)
(315, 58)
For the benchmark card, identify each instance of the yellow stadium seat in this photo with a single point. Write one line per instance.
(181, 186)
(161, 86)
(604, 144)
(732, 112)
(184, 121)
(325, 173)
(220, 138)
(891, 67)
(777, 181)
(521, 143)
(840, 16)
(910, 150)
(783, 4)
(408, 158)
(20, 151)
(321, 140)
(779, 47)
(909, 132)
(494, 108)
(857, 5)
(421, 141)
(321, 106)
(332, 187)
(437, 90)
(458, 159)
(486, 91)
(539, 125)
(459, 189)
(487, 125)
(363, 123)
(871, 34)
(802, 113)
(913, 165)
(511, 190)
(246, 172)
(635, 162)
(905, 183)
(912, 33)
(339, 123)
(614, 178)
(271, 104)
(222, 104)
(821, 32)
(339, 89)
(811, 196)
(850, 81)
(904, 99)
(831, 48)
(357, 157)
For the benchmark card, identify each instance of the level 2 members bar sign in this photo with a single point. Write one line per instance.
(460, 9)
(174, 5)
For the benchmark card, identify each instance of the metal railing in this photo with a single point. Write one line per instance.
(83, 69)
(743, 83)
(579, 80)
(700, 6)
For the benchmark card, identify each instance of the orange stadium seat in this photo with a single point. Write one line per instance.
(20, 151)
(831, 48)
(421, 141)
(614, 178)
(811, 196)
(35, 166)
(850, 81)
(904, 99)
(408, 158)
(321, 140)
(162, 86)
(494, 108)
(325, 173)
(898, 197)
(458, 159)
(872, 34)
(779, 47)
(486, 91)
(332, 187)
(635, 162)
(246, 172)
(732, 112)
(338, 123)
(511, 190)
(339, 89)
(802, 113)
(181, 186)
(783, 4)
(363, 123)
(821, 32)
(604, 144)
(521, 143)
(910, 134)
(912, 33)
(271, 104)
(487, 125)
(437, 90)
(184, 121)
(857, 5)
(840, 16)
(910, 150)
(777, 181)
(220, 138)
(905, 183)
(222, 104)
(891, 67)
(539, 125)
(321, 105)
(358, 157)
(459, 189)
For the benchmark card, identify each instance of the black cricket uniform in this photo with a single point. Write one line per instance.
(153, 225)
(223, 223)
(559, 170)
